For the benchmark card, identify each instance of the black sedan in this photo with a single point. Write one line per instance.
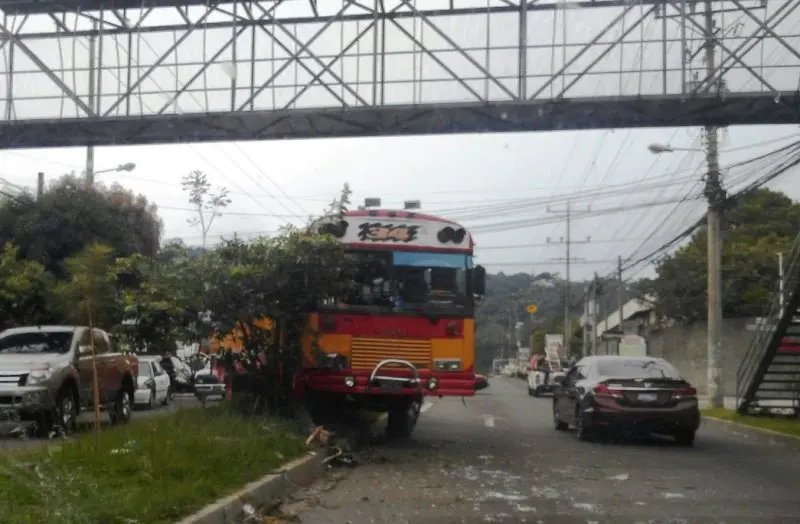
(615, 394)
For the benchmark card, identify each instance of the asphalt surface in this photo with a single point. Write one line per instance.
(499, 459)
(84, 422)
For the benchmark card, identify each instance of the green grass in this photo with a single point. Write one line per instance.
(152, 471)
(789, 426)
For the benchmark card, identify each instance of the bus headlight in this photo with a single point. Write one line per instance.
(447, 364)
(433, 383)
(350, 382)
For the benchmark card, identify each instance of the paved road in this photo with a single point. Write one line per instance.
(181, 401)
(498, 459)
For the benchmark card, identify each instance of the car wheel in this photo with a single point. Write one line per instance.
(560, 426)
(530, 391)
(121, 413)
(583, 431)
(66, 416)
(685, 438)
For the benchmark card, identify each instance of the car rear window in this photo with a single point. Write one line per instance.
(206, 379)
(638, 368)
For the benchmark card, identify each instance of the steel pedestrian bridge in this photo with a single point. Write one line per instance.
(81, 72)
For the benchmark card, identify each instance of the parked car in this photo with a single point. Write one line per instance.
(208, 385)
(180, 374)
(481, 382)
(617, 393)
(153, 385)
(46, 375)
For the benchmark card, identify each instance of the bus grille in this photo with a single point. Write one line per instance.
(367, 352)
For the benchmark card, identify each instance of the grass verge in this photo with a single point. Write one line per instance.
(788, 426)
(152, 471)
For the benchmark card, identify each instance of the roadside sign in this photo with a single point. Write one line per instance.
(532, 309)
(632, 346)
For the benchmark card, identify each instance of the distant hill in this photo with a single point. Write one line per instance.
(506, 301)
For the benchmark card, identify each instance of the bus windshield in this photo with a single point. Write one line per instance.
(408, 282)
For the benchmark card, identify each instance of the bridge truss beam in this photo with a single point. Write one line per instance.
(198, 71)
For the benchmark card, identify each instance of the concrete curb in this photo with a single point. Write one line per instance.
(764, 436)
(299, 473)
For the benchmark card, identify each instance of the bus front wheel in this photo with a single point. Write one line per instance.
(402, 418)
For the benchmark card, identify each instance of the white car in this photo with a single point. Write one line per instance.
(153, 384)
(208, 386)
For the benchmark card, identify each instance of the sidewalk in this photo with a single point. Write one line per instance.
(730, 402)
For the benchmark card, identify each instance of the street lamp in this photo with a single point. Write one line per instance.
(715, 195)
(657, 149)
(128, 166)
(90, 172)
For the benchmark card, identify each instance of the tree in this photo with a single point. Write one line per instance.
(150, 307)
(25, 291)
(282, 279)
(208, 204)
(162, 300)
(340, 205)
(69, 217)
(90, 294)
(89, 298)
(757, 227)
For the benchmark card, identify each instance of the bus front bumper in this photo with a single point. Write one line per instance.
(383, 381)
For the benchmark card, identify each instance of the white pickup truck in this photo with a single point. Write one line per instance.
(538, 381)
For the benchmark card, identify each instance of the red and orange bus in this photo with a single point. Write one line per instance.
(405, 328)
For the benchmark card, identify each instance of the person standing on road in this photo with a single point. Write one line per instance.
(546, 371)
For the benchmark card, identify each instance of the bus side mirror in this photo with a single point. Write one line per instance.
(479, 281)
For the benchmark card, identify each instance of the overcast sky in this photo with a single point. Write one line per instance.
(481, 179)
(497, 185)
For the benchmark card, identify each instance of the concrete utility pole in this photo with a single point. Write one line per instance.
(620, 295)
(567, 241)
(781, 278)
(587, 326)
(39, 185)
(594, 315)
(715, 196)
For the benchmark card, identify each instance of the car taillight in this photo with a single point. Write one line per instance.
(685, 393)
(602, 390)
(453, 329)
